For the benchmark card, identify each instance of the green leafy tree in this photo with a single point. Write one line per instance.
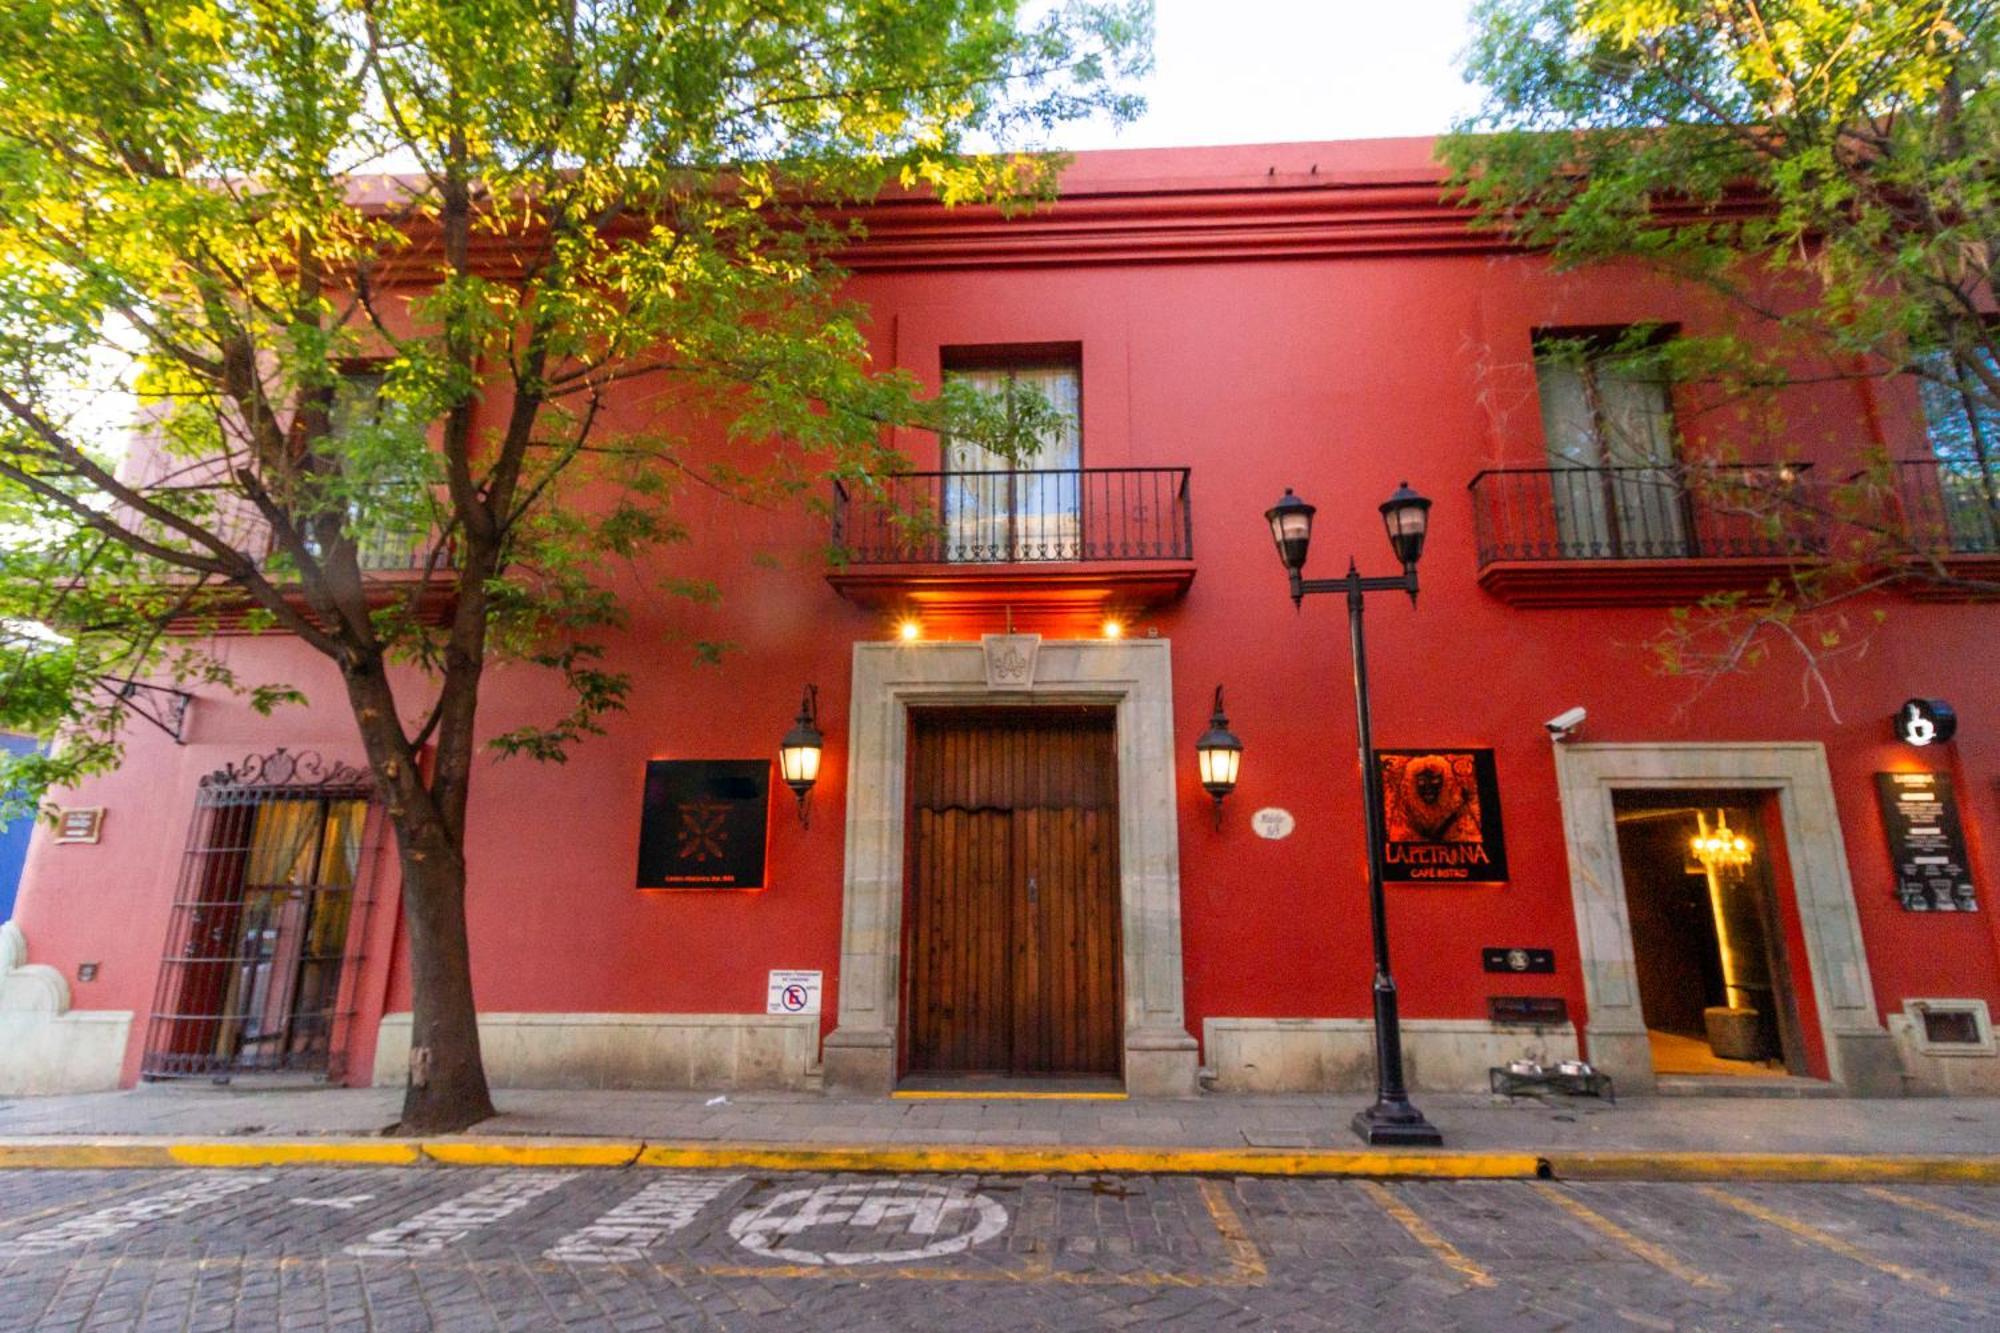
(1831, 171)
(347, 371)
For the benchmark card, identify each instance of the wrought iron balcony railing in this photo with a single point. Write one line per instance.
(1024, 517)
(1665, 512)
(386, 542)
(1951, 505)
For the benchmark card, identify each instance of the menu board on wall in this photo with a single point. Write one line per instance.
(1926, 842)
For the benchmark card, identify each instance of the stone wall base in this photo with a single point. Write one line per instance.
(667, 1051)
(45, 1046)
(80, 1051)
(1338, 1054)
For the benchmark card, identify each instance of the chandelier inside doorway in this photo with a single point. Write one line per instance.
(1721, 850)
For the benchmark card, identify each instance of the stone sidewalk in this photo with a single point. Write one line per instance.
(1477, 1123)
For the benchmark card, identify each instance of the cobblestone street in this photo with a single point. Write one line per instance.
(638, 1249)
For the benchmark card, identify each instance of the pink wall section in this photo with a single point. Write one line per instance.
(1337, 375)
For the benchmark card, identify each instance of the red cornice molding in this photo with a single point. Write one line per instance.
(1980, 570)
(1571, 583)
(1177, 222)
(961, 591)
(1156, 219)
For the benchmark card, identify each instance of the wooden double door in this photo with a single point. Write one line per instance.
(1012, 952)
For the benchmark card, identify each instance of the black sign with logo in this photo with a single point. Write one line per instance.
(1925, 722)
(1926, 842)
(1441, 817)
(703, 824)
(1518, 960)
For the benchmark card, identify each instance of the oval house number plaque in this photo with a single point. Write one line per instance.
(1271, 822)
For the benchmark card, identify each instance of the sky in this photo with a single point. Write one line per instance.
(1272, 71)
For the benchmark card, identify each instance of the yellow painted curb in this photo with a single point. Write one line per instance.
(1831, 1168)
(532, 1152)
(916, 1095)
(1093, 1161)
(1826, 1168)
(338, 1152)
(65, 1156)
(106, 1153)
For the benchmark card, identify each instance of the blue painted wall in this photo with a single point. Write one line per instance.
(14, 837)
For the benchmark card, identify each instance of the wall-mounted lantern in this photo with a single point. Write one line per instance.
(1220, 755)
(1926, 722)
(798, 753)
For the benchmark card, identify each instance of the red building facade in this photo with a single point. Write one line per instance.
(1011, 866)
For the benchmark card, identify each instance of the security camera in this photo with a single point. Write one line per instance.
(1564, 724)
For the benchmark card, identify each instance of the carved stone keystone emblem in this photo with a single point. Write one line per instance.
(1010, 660)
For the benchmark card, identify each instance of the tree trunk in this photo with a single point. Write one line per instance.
(446, 1090)
(447, 1084)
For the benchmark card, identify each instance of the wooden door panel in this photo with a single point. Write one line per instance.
(1067, 984)
(958, 964)
(1012, 953)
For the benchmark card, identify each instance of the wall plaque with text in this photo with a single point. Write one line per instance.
(703, 824)
(1441, 817)
(1531, 1010)
(1926, 842)
(80, 824)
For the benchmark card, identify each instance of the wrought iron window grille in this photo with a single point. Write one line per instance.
(272, 907)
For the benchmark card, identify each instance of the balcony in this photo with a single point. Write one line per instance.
(1952, 507)
(1583, 536)
(400, 557)
(1951, 511)
(1048, 543)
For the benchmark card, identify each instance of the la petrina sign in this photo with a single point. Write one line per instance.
(1441, 817)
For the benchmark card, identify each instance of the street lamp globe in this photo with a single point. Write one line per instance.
(1406, 515)
(1291, 521)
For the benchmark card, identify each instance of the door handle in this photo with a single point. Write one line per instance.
(1034, 892)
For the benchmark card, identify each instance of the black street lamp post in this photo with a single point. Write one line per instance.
(1392, 1120)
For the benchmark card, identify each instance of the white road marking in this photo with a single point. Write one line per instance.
(625, 1233)
(119, 1218)
(918, 1208)
(455, 1219)
(344, 1202)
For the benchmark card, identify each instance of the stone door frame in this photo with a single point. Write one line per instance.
(1133, 677)
(1859, 1052)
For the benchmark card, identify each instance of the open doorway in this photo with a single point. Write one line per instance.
(1715, 979)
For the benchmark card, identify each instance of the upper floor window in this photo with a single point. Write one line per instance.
(1964, 429)
(388, 512)
(1607, 419)
(997, 508)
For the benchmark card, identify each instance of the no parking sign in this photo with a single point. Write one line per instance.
(793, 993)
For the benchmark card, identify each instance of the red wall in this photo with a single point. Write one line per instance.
(1337, 374)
